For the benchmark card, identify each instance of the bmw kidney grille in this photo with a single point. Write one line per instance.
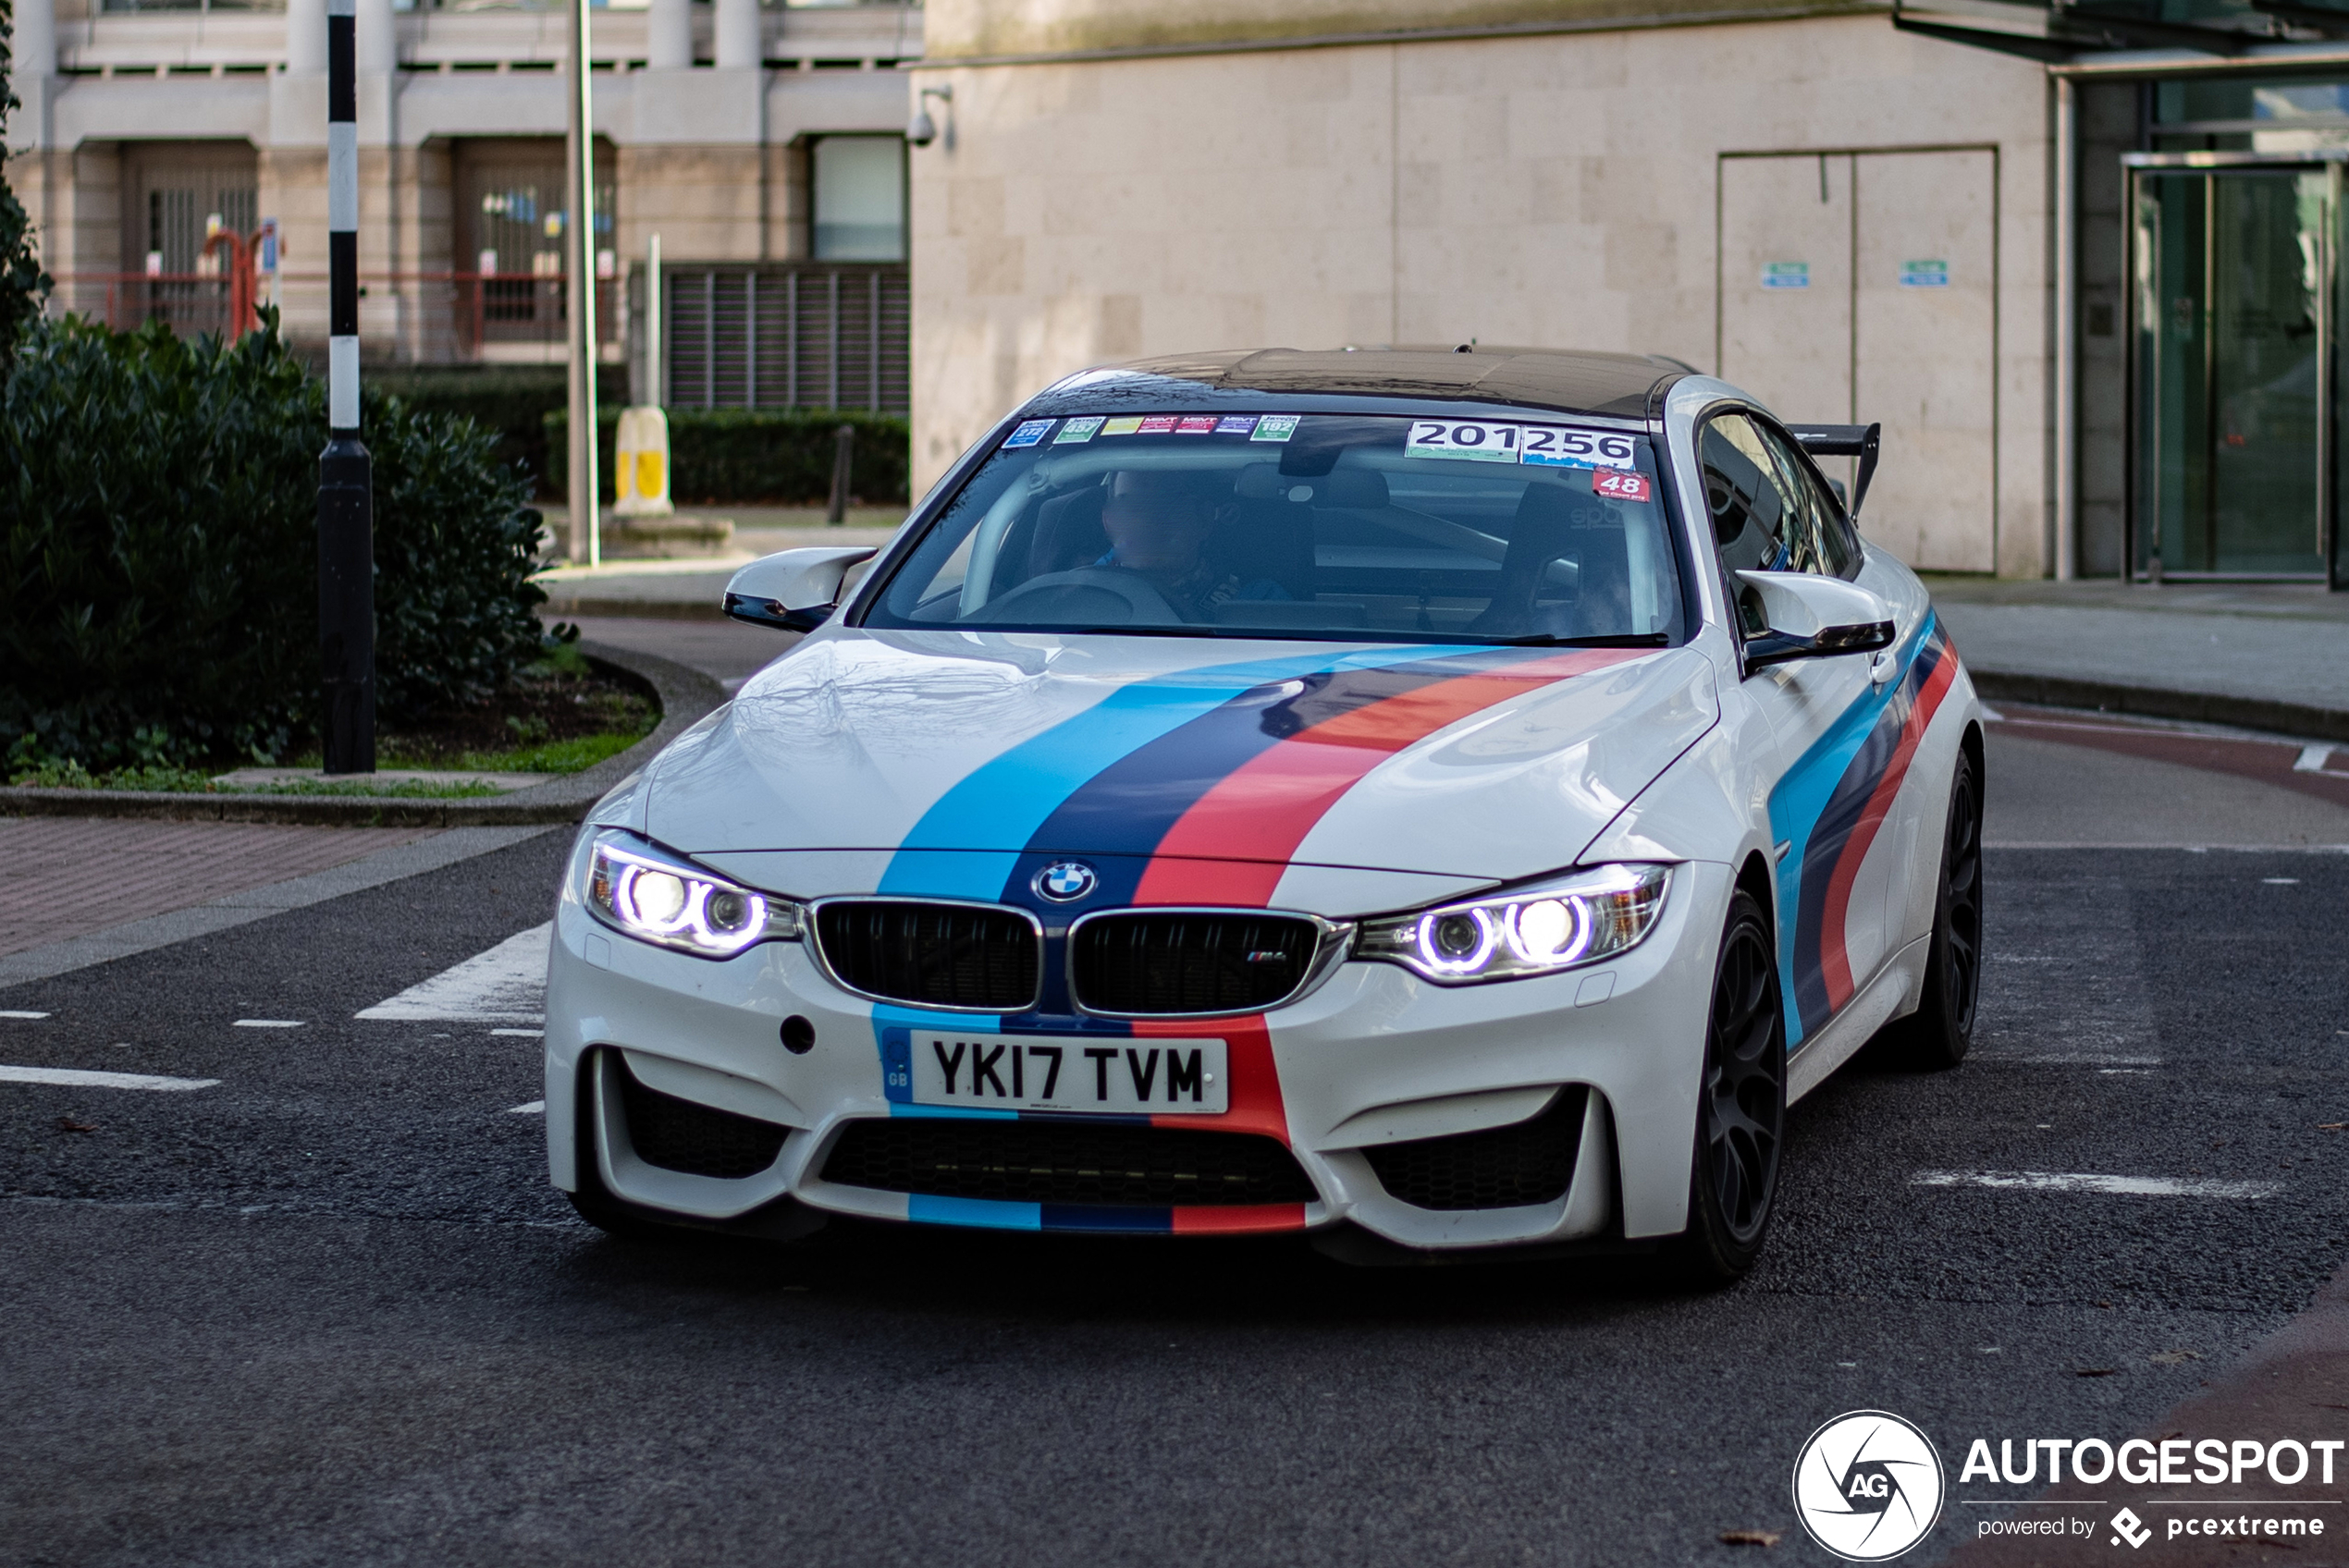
(1121, 962)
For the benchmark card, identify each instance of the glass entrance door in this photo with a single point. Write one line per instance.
(2233, 278)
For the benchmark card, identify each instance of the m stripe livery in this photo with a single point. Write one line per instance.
(1183, 806)
(1867, 754)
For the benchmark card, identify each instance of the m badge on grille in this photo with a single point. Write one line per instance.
(1066, 881)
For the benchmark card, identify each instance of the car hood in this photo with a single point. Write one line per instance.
(1185, 770)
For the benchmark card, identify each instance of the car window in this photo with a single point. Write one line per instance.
(1330, 526)
(1768, 512)
(1819, 538)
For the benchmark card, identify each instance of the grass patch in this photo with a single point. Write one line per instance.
(574, 755)
(562, 660)
(192, 781)
(73, 776)
(403, 788)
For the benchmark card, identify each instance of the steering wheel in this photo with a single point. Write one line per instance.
(1086, 595)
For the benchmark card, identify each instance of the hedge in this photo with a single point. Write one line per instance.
(158, 558)
(512, 400)
(743, 456)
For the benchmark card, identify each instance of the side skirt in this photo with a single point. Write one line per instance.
(1878, 1004)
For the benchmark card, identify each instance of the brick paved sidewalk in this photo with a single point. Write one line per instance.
(74, 876)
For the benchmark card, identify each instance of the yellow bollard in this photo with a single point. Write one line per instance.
(640, 466)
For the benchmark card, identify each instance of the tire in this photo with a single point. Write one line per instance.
(1935, 1036)
(1740, 1118)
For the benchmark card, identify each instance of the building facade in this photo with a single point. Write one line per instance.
(763, 146)
(2088, 357)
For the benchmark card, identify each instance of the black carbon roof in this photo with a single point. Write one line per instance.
(1573, 381)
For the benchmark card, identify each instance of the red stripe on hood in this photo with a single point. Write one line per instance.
(1236, 840)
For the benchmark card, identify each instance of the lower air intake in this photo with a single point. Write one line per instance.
(1061, 1162)
(1514, 1167)
(680, 1135)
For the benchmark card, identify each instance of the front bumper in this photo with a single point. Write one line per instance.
(1375, 1058)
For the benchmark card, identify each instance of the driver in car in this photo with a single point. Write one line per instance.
(1158, 524)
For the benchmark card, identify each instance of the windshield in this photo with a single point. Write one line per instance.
(1342, 526)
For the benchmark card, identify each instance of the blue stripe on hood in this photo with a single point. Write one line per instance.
(999, 805)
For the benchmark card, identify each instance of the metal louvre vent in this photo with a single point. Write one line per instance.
(933, 955)
(1515, 1166)
(1186, 962)
(1059, 1162)
(697, 1139)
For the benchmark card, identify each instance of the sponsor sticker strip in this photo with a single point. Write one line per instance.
(1539, 446)
(1076, 432)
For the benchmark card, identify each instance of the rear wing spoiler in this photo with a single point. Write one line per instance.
(1860, 441)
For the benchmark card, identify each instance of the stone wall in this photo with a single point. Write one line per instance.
(1551, 189)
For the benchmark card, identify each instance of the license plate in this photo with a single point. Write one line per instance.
(1064, 1073)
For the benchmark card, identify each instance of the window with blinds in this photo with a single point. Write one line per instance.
(787, 336)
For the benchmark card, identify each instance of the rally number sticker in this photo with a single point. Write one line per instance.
(1472, 439)
(1551, 447)
(1621, 484)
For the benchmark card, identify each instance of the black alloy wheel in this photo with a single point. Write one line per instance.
(1935, 1036)
(1741, 1122)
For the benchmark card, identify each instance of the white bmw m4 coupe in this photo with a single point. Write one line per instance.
(1428, 799)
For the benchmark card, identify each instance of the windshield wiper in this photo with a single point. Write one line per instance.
(1621, 640)
(1349, 634)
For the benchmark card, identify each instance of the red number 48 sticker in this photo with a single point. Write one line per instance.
(1620, 485)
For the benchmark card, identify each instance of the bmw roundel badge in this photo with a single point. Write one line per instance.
(1066, 881)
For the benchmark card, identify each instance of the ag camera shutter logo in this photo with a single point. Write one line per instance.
(1868, 1486)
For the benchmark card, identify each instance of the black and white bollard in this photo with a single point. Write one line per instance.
(345, 505)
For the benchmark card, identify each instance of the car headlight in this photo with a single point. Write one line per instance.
(1576, 920)
(660, 898)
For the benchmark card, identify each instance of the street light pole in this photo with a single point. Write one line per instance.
(580, 297)
(345, 505)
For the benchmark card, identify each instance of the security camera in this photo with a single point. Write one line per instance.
(921, 130)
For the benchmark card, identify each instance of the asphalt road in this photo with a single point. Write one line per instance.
(328, 1311)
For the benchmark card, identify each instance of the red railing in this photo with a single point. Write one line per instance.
(425, 315)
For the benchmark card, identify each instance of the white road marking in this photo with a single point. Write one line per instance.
(266, 1024)
(2311, 759)
(522, 1033)
(11, 1012)
(505, 984)
(535, 1108)
(2075, 1059)
(2281, 881)
(2122, 1186)
(73, 1079)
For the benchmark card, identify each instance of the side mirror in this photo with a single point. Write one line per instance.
(795, 591)
(1806, 615)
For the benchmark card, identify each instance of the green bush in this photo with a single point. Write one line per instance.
(744, 456)
(512, 400)
(158, 556)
